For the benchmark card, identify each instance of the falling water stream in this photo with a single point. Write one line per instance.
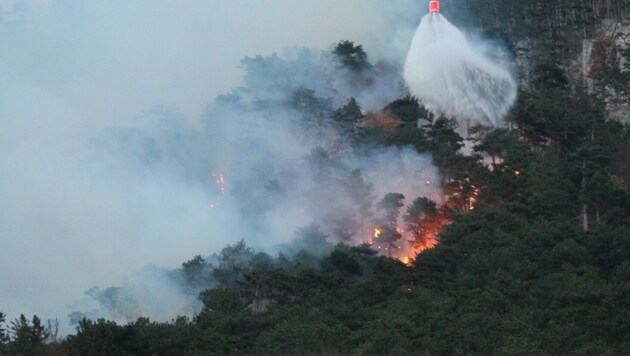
(453, 77)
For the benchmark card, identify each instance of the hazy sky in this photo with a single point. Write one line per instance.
(69, 68)
(114, 58)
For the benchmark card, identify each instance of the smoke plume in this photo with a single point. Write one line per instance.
(115, 154)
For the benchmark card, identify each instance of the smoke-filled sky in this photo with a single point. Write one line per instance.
(115, 58)
(71, 69)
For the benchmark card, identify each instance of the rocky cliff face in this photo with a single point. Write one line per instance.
(600, 63)
(604, 67)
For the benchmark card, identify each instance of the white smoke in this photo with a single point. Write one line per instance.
(453, 77)
(278, 179)
(94, 186)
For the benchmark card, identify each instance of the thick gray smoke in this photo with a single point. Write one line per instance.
(267, 160)
(97, 182)
(454, 77)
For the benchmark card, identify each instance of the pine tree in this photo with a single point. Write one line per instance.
(3, 332)
(389, 209)
(347, 118)
(351, 57)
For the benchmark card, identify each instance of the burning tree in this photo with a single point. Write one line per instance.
(424, 221)
(387, 232)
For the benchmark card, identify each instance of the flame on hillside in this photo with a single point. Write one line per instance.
(406, 248)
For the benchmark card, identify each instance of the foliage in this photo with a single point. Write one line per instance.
(351, 56)
(3, 332)
(424, 221)
(28, 336)
(499, 282)
(387, 222)
(408, 109)
(347, 118)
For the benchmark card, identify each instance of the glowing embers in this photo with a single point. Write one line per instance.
(219, 180)
(411, 243)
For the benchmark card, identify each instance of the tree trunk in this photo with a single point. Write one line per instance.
(585, 217)
(597, 216)
(584, 213)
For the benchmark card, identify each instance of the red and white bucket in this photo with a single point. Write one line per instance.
(434, 6)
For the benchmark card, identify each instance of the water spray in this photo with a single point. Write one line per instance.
(453, 76)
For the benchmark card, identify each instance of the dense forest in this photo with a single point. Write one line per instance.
(527, 253)
(565, 20)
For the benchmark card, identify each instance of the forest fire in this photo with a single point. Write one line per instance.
(404, 236)
(430, 232)
(412, 241)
